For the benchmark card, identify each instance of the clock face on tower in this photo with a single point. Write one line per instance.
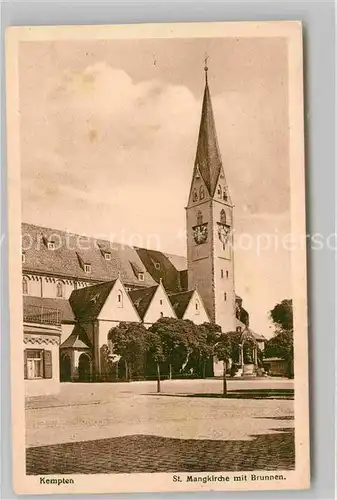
(223, 232)
(200, 233)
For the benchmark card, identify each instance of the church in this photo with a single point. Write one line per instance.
(75, 288)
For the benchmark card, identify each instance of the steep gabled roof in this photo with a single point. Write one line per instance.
(142, 299)
(208, 158)
(87, 302)
(180, 302)
(78, 339)
(72, 251)
(163, 266)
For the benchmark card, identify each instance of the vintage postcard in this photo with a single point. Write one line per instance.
(157, 248)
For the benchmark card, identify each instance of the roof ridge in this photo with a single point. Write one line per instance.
(134, 247)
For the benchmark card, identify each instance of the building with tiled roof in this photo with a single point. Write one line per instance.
(80, 260)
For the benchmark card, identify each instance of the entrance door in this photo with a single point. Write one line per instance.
(84, 368)
(65, 368)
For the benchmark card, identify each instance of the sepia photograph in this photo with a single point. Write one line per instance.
(157, 257)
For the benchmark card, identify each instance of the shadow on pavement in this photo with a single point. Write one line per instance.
(146, 453)
(238, 394)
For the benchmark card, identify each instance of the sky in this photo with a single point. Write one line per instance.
(108, 140)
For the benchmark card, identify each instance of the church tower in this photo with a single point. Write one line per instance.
(209, 216)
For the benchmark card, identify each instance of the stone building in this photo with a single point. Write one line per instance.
(76, 288)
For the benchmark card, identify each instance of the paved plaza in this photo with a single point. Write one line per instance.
(127, 427)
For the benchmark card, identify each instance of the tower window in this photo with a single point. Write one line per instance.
(161, 314)
(219, 191)
(238, 329)
(225, 296)
(202, 192)
(227, 274)
(59, 289)
(225, 196)
(51, 245)
(221, 273)
(23, 257)
(87, 268)
(120, 298)
(141, 276)
(199, 218)
(161, 302)
(25, 286)
(223, 216)
(195, 195)
(107, 255)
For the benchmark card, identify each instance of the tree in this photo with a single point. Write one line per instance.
(129, 341)
(178, 338)
(154, 349)
(106, 363)
(223, 350)
(282, 315)
(235, 343)
(207, 336)
(281, 345)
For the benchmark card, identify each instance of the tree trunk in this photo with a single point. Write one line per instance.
(170, 371)
(204, 368)
(126, 371)
(158, 377)
(224, 378)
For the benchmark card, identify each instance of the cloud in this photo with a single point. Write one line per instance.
(102, 153)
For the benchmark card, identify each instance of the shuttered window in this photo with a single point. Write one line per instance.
(48, 368)
(37, 364)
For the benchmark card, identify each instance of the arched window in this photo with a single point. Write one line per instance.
(219, 191)
(120, 298)
(195, 195)
(199, 218)
(197, 307)
(202, 192)
(59, 289)
(25, 286)
(223, 216)
(225, 195)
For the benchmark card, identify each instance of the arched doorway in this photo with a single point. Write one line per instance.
(84, 368)
(65, 368)
(248, 353)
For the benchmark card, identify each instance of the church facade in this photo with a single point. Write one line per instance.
(75, 288)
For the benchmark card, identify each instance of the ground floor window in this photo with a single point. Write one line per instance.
(38, 363)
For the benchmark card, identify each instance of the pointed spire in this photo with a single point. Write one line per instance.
(208, 157)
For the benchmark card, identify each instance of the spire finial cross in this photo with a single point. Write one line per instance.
(206, 67)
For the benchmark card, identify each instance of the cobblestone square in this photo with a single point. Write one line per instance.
(120, 428)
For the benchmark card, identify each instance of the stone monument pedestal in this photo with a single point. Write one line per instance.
(249, 370)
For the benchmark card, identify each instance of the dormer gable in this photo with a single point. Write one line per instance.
(118, 305)
(159, 307)
(189, 305)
